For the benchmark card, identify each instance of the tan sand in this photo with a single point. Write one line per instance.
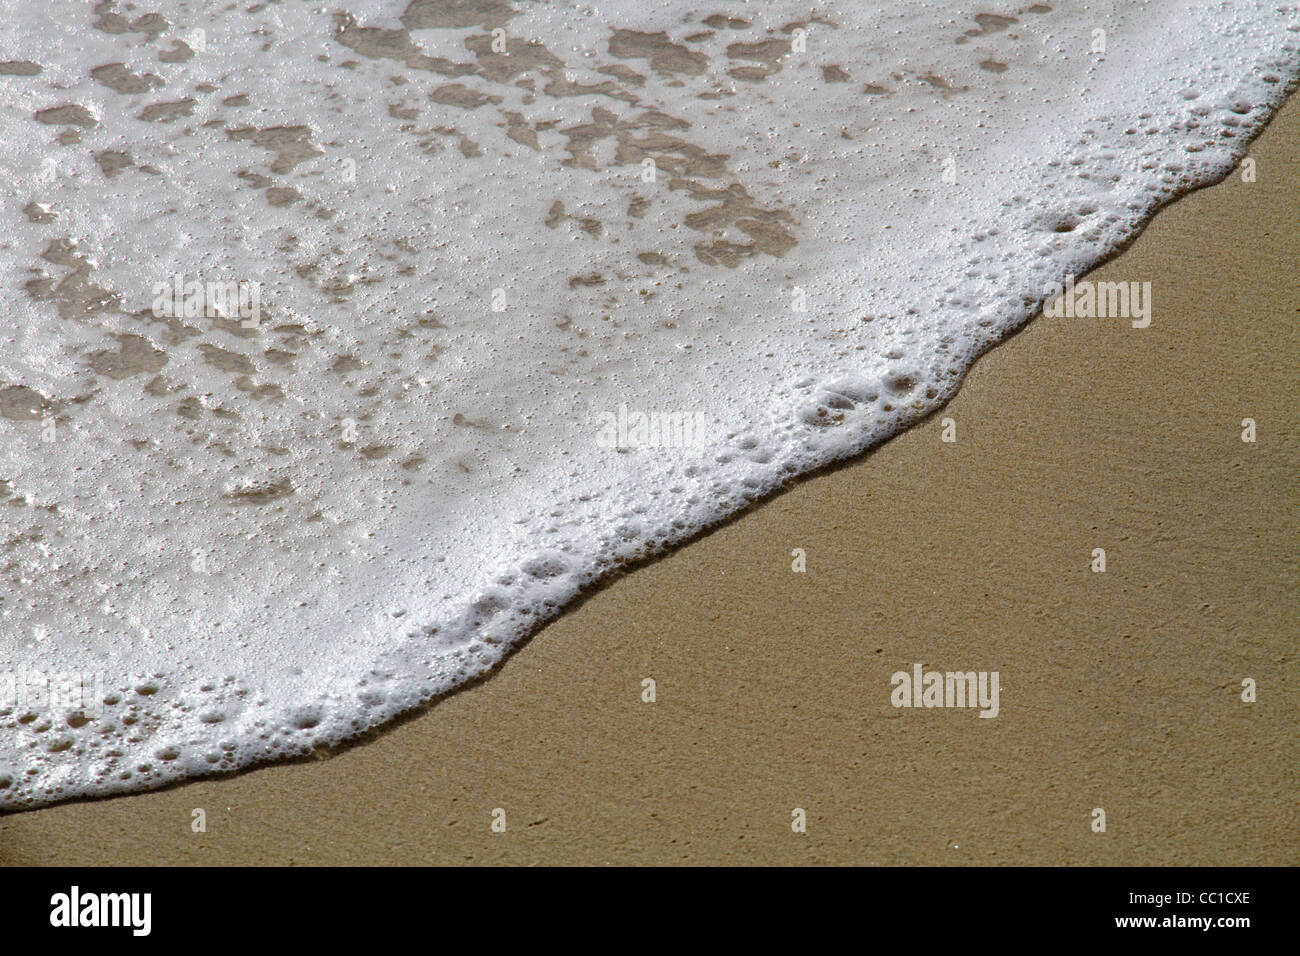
(1119, 690)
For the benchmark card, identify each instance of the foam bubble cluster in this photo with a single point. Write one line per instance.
(341, 348)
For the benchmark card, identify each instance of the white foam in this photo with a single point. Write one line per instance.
(267, 540)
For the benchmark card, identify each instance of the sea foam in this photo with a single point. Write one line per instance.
(480, 235)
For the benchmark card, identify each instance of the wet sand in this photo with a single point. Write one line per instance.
(1118, 690)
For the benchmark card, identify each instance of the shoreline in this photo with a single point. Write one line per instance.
(1119, 689)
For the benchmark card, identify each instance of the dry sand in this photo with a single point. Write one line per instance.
(1119, 690)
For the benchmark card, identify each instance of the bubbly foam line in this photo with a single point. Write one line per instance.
(270, 539)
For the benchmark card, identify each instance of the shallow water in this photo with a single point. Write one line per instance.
(342, 349)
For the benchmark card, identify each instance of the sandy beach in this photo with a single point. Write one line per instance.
(1119, 691)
